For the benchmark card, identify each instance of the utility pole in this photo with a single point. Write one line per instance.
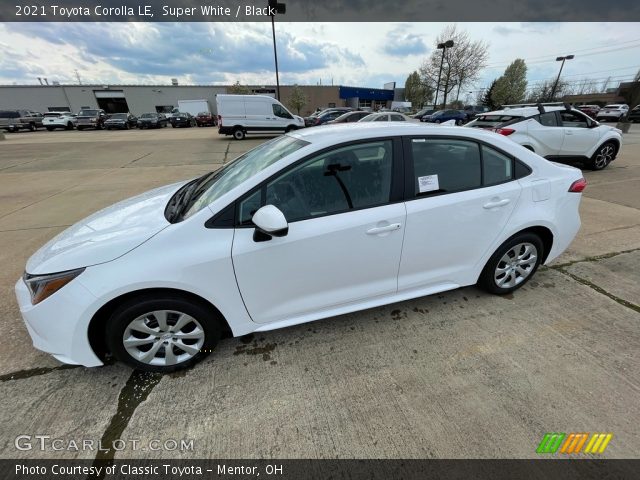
(279, 8)
(441, 46)
(555, 85)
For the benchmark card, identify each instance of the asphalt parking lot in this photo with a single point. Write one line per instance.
(458, 375)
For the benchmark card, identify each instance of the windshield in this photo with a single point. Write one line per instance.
(88, 113)
(149, 115)
(242, 169)
(119, 116)
(9, 114)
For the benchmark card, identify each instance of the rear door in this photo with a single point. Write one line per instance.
(547, 132)
(460, 197)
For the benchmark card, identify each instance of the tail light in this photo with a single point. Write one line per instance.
(505, 131)
(578, 186)
(317, 121)
(219, 119)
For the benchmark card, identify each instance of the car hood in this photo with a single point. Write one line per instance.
(105, 235)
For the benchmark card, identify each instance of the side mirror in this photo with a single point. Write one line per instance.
(270, 222)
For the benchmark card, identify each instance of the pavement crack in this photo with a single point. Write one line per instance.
(136, 159)
(621, 301)
(593, 259)
(135, 391)
(33, 372)
(226, 153)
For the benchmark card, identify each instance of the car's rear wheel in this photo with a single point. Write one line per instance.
(513, 264)
(238, 133)
(69, 126)
(458, 122)
(162, 334)
(603, 156)
(32, 127)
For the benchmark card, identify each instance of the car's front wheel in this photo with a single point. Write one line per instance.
(513, 264)
(162, 334)
(603, 156)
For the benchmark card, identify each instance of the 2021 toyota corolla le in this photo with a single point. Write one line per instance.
(309, 225)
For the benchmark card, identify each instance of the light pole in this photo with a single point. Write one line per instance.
(441, 46)
(555, 85)
(280, 8)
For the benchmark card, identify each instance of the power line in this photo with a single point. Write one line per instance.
(532, 60)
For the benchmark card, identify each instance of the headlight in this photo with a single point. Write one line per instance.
(43, 286)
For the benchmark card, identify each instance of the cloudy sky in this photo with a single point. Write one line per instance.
(361, 54)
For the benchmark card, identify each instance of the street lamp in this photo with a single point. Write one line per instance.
(555, 85)
(441, 46)
(280, 8)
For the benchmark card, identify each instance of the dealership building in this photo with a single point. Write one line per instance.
(139, 99)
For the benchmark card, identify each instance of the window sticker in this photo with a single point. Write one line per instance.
(419, 140)
(428, 183)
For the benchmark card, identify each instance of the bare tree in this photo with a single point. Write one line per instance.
(461, 65)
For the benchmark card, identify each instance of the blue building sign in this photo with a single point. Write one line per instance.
(378, 94)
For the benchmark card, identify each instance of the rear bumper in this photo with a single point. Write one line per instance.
(59, 324)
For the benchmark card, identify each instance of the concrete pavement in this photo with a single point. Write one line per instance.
(461, 374)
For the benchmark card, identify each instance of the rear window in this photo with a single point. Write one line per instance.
(9, 114)
(492, 121)
(88, 113)
(52, 114)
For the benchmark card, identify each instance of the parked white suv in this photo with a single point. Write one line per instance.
(312, 224)
(613, 112)
(557, 133)
(53, 120)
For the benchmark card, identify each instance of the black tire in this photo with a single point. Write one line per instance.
(487, 280)
(117, 325)
(49, 129)
(603, 156)
(458, 122)
(80, 128)
(126, 126)
(69, 126)
(436, 121)
(239, 133)
(290, 128)
(32, 127)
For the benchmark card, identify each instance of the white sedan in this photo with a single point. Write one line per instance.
(310, 225)
(53, 120)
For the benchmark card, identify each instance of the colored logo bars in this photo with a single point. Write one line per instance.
(573, 443)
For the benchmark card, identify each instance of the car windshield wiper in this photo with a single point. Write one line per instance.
(177, 202)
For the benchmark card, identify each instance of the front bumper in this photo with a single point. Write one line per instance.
(59, 325)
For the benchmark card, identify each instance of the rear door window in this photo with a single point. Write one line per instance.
(445, 165)
(548, 119)
(493, 121)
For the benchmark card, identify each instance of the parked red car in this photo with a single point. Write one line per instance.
(591, 110)
(205, 119)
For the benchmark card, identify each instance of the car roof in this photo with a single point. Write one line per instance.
(334, 134)
(524, 111)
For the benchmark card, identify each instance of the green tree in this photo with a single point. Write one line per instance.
(416, 92)
(238, 89)
(487, 98)
(297, 98)
(511, 87)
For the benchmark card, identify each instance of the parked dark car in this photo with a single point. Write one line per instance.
(472, 110)
(423, 113)
(442, 116)
(591, 110)
(634, 115)
(183, 119)
(325, 117)
(91, 118)
(121, 121)
(349, 117)
(206, 119)
(14, 120)
(311, 120)
(152, 120)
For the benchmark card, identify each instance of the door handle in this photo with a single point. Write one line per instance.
(499, 203)
(568, 132)
(386, 228)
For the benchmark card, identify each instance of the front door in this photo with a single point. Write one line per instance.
(578, 137)
(344, 240)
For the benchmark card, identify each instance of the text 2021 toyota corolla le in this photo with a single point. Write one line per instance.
(306, 226)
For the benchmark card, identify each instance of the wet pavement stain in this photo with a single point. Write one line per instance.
(256, 349)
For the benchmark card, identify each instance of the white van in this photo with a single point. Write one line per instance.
(242, 114)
